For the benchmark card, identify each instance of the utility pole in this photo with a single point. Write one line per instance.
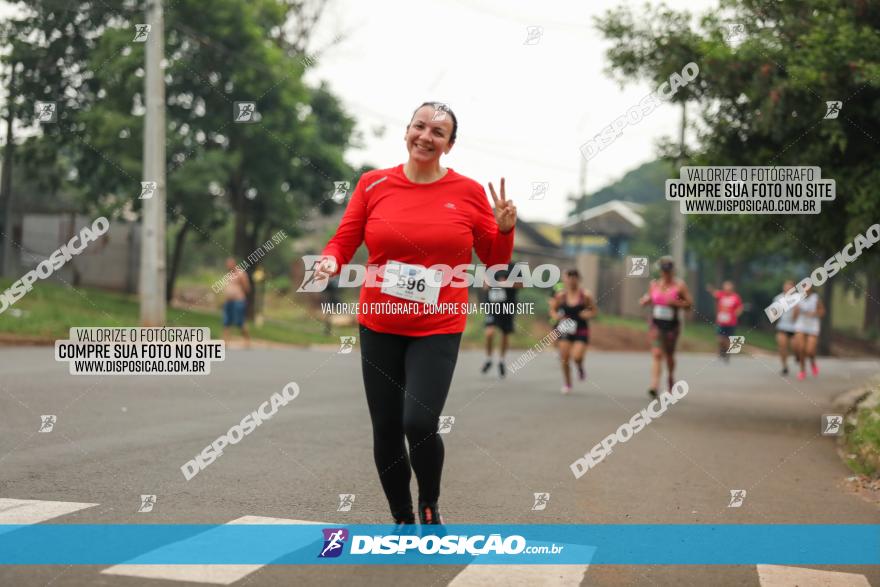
(152, 278)
(677, 228)
(583, 177)
(8, 264)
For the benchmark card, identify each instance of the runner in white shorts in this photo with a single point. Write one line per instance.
(807, 321)
(785, 328)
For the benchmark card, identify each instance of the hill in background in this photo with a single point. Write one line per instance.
(642, 185)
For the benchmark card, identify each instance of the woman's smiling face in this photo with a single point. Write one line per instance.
(426, 138)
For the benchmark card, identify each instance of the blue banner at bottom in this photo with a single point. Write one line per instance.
(304, 544)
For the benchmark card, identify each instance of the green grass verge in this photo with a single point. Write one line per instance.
(863, 437)
(50, 310)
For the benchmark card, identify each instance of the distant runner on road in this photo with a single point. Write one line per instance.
(572, 308)
(808, 315)
(666, 296)
(728, 307)
(785, 328)
(502, 320)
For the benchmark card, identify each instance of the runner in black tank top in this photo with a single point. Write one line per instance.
(581, 329)
(573, 326)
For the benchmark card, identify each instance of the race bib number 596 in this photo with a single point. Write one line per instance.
(411, 282)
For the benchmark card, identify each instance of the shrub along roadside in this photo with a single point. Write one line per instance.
(862, 433)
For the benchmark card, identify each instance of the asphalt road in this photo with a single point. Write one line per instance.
(741, 426)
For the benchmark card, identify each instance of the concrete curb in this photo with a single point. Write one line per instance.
(848, 400)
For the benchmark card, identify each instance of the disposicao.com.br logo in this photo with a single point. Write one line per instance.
(452, 544)
(334, 542)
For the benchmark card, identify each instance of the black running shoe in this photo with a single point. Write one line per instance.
(432, 521)
(652, 393)
(486, 366)
(785, 371)
(429, 514)
(501, 370)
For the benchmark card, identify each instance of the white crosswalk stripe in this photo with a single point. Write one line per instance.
(520, 575)
(34, 511)
(215, 574)
(782, 576)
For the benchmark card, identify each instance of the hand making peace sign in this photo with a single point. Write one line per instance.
(505, 211)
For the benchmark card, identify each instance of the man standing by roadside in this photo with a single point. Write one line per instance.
(235, 292)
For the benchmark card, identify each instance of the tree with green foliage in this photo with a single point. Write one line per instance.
(267, 175)
(762, 101)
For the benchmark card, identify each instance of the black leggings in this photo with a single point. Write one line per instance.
(422, 366)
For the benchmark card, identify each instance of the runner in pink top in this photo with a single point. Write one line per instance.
(666, 296)
(728, 307)
(661, 296)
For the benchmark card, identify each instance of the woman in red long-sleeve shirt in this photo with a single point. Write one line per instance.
(411, 217)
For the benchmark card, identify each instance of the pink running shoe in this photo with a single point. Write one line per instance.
(801, 376)
(566, 389)
(815, 370)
